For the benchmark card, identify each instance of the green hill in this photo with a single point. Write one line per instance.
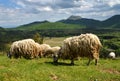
(1, 28)
(48, 25)
(112, 22)
(73, 22)
(89, 23)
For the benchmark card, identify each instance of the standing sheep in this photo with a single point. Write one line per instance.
(85, 45)
(26, 48)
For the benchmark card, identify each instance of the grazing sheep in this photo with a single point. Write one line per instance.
(26, 48)
(85, 45)
(43, 48)
(52, 51)
(39, 49)
(111, 55)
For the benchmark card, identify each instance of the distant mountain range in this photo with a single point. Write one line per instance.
(82, 21)
(113, 22)
(73, 22)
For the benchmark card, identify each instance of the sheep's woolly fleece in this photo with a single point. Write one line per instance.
(27, 48)
(52, 51)
(85, 45)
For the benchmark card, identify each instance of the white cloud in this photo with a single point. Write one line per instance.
(21, 4)
(47, 8)
(26, 11)
(112, 3)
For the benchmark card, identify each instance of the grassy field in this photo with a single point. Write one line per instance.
(55, 41)
(43, 69)
(50, 25)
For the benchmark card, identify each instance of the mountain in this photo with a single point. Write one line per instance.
(82, 21)
(73, 22)
(74, 17)
(113, 22)
(35, 23)
(48, 25)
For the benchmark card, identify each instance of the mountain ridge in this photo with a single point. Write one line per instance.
(112, 22)
(72, 17)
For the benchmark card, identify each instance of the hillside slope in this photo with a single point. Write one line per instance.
(49, 25)
(73, 22)
(112, 22)
(81, 21)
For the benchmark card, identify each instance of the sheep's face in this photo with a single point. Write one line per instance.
(55, 58)
(9, 55)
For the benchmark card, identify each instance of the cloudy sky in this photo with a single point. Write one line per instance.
(18, 12)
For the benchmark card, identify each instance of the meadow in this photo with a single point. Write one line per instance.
(43, 69)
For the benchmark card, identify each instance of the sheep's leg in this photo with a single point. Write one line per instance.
(96, 61)
(89, 61)
(20, 56)
(55, 59)
(40, 55)
(96, 57)
(72, 61)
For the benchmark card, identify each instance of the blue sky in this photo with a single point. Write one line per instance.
(5, 2)
(8, 4)
(18, 12)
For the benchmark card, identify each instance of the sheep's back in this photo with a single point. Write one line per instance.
(83, 45)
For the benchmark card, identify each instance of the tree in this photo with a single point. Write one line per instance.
(38, 38)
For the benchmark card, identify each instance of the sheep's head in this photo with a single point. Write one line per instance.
(9, 55)
(57, 56)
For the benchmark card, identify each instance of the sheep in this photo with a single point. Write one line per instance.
(111, 55)
(13, 50)
(26, 48)
(39, 49)
(84, 45)
(52, 51)
(43, 48)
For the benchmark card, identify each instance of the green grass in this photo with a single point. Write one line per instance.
(44, 70)
(48, 25)
(54, 41)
